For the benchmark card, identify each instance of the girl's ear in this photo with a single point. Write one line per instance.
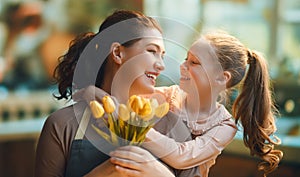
(115, 50)
(224, 78)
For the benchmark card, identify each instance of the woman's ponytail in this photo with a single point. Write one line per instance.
(64, 71)
(255, 110)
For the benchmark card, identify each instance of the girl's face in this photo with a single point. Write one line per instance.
(200, 72)
(142, 62)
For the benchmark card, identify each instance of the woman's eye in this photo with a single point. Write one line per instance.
(152, 51)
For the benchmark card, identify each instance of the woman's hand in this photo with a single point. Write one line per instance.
(135, 161)
(106, 169)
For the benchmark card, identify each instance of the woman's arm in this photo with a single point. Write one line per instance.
(135, 161)
(54, 144)
(194, 152)
(50, 154)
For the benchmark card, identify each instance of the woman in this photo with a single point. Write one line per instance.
(125, 36)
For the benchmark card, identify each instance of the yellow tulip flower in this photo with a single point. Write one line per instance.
(123, 112)
(97, 109)
(146, 109)
(135, 103)
(154, 105)
(162, 110)
(108, 104)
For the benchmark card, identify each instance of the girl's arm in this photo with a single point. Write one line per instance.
(194, 152)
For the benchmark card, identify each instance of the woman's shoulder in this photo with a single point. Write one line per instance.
(65, 116)
(61, 115)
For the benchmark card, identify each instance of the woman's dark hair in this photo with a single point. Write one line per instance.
(253, 107)
(64, 72)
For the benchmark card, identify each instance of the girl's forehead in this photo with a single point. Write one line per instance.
(203, 50)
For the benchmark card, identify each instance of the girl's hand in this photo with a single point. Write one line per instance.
(135, 161)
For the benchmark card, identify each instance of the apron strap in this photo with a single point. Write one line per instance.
(83, 124)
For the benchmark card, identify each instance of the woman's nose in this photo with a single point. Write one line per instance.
(159, 65)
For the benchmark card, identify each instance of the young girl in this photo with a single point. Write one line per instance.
(216, 62)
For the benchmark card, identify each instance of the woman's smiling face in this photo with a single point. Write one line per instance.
(142, 63)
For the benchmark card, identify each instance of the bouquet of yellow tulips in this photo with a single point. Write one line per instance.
(134, 120)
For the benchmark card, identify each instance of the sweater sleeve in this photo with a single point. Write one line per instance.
(54, 144)
(194, 152)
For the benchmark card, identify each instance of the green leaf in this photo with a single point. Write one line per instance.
(121, 128)
(142, 134)
(133, 141)
(112, 128)
(101, 133)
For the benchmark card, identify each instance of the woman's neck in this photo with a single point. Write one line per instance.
(106, 83)
(106, 86)
(108, 76)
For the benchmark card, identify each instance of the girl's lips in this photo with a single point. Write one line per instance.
(185, 78)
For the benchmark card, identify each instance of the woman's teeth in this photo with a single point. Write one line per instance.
(151, 76)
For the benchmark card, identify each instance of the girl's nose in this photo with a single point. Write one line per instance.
(159, 65)
(184, 66)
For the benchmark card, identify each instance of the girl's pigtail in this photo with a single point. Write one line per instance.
(255, 110)
(64, 71)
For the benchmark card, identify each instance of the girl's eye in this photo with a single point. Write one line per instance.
(195, 62)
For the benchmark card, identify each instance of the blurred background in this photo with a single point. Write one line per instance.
(34, 33)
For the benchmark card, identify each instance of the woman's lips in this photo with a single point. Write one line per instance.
(152, 76)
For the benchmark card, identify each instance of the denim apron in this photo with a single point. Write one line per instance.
(84, 156)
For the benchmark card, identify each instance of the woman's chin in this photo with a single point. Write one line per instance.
(143, 90)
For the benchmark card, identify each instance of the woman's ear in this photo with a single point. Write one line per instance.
(224, 78)
(115, 50)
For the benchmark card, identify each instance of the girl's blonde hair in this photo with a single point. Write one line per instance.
(253, 107)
